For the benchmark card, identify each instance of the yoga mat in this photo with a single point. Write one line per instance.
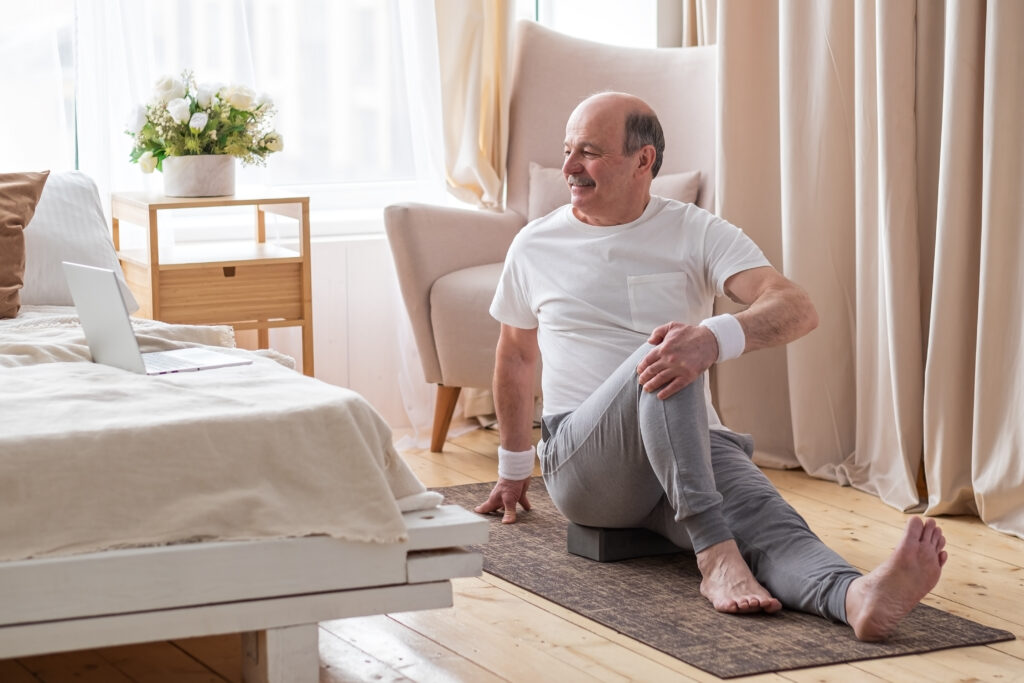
(657, 601)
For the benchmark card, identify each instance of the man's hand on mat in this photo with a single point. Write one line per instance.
(504, 496)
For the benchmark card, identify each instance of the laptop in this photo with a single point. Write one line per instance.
(108, 329)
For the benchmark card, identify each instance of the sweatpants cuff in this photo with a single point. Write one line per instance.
(707, 528)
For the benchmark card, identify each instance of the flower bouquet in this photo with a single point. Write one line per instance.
(185, 119)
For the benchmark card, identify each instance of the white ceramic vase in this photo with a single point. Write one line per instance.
(200, 175)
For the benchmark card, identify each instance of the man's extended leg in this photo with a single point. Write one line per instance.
(797, 567)
(624, 452)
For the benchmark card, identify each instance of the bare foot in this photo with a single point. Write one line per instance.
(877, 602)
(728, 583)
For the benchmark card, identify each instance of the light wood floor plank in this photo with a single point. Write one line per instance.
(965, 531)
(341, 662)
(406, 651)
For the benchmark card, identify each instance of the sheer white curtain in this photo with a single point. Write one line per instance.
(37, 112)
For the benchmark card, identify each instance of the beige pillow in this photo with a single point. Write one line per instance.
(19, 193)
(548, 190)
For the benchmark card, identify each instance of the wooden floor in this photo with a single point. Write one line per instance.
(499, 632)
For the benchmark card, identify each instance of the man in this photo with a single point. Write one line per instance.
(608, 289)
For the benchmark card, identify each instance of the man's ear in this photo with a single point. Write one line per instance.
(646, 157)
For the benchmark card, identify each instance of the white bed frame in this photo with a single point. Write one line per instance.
(273, 592)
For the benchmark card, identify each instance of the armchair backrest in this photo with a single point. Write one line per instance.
(554, 72)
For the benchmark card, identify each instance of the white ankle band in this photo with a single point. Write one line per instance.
(515, 465)
(729, 333)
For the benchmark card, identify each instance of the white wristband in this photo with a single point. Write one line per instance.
(515, 465)
(729, 333)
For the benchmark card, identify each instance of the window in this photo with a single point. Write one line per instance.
(38, 82)
(335, 70)
(632, 23)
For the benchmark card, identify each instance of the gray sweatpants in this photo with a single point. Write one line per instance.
(626, 458)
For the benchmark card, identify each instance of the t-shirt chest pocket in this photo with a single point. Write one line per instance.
(656, 299)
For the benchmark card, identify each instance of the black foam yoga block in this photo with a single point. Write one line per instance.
(610, 545)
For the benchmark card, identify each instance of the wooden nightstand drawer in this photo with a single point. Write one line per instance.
(221, 294)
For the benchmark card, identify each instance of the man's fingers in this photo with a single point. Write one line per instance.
(675, 385)
(490, 505)
(509, 503)
(657, 336)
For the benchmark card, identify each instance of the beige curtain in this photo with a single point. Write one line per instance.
(475, 49)
(876, 152)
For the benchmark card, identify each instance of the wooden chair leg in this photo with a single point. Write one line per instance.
(444, 408)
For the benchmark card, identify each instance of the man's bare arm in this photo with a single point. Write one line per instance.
(515, 368)
(779, 311)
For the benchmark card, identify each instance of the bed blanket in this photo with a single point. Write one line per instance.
(92, 457)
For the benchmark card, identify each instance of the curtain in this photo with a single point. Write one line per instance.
(475, 49)
(875, 151)
(699, 22)
(36, 134)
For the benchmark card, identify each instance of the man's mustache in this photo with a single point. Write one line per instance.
(581, 180)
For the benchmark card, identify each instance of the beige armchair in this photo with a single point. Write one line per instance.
(449, 260)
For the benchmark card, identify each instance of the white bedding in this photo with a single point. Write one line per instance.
(92, 457)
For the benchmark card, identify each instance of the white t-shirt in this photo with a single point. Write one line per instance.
(596, 293)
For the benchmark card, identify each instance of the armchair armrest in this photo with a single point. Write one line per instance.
(428, 242)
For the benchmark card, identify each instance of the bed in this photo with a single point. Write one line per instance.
(248, 499)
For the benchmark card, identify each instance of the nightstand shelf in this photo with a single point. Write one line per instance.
(251, 285)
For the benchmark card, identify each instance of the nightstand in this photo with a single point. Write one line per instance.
(250, 285)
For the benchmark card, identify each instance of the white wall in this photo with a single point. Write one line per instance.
(356, 309)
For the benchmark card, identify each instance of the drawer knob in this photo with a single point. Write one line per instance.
(229, 271)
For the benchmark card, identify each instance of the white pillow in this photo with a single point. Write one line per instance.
(548, 190)
(68, 225)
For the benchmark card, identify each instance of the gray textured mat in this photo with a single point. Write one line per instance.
(657, 601)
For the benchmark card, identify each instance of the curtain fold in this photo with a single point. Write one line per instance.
(997, 469)
(875, 150)
(475, 50)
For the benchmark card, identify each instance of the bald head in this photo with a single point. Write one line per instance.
(639, 123)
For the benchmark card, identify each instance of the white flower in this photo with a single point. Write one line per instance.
(137, 120)
(264, 101)
(178, 109)
(169, 88)
(147, 162)
(198, 122)
(240, 97)
(205, 94)
(273, 142)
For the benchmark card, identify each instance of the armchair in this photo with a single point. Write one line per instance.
(449, 260)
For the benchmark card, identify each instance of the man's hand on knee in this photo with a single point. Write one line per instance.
(505, 495)
(682, 352)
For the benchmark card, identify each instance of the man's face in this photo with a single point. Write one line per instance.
(604, 184)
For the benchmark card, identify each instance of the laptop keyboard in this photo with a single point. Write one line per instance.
(162, 362)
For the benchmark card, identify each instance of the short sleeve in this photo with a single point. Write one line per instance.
(511, 303)
(727, 251)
